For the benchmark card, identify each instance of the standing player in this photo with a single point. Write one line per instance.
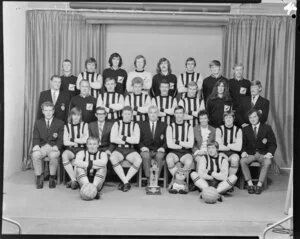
(91, 165)
(210, 81)
(90, 75)
(68, 81)
(85, 102)
(204, 134)
(112, 101)
(75, 136)
(230, 140)
(47, 142)
(60, 99)
(164, 72)
(139, 101)
(190, 75)
(180, 140)
(165, 103)
(126, 134)
(192, 104)
(139, 64)
(254, 101)
(218, 102)
(213, 171)
(115, 71)
(238, 86)
(259, 144)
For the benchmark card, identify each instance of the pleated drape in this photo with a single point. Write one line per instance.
(266, 47)
(51, 37)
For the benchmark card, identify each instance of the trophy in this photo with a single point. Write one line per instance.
(153, 188)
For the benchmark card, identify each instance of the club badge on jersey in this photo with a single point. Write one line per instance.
(243, 90)
(172, 85)
(62, 107)
(89, 106)
(71, 87)
(120, 79)
(226, 108)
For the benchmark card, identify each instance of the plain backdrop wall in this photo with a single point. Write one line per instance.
(14, 80)
(173, 42)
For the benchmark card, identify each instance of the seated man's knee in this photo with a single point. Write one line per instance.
(145, 155)
(53, 155)
(234, 160)
(114, 158)
(194, 175)
(267, 161)
(232, 178)
(170, 159)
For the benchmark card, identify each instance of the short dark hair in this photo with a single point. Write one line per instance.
(127, 108)
(137, 80)
(178, 107)
(213, 143)
(47, 104)
(215, 63)
(54, 76)
(113, 56)
(109, 78)
(84, 81)
(67, 60)
(90, 60)
(256, 82)
(92, 139)
(229, 112)
(190, 59)
(164, 81)
(202, 112)
(253, 110)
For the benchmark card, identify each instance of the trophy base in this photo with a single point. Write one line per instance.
(153, 190)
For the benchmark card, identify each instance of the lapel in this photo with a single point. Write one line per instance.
(257, 103)
(260, 130)
(156, 129)
(50, 131)
(104, 129)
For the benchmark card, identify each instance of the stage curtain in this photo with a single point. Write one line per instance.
(51, 37)
(266, 47)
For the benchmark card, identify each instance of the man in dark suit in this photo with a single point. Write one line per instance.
(153, 141)
(259, 144)
(60, 99)
(101, 130)
(254, 101)
(47, 142)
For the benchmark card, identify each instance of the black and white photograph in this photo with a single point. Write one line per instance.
(149, 118)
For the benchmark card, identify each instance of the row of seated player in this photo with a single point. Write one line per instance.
(218, 102)
(182, 145)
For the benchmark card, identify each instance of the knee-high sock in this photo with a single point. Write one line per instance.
(172, 169)
(199, 182)
(69, 168)
(131, 172)
(227, 184)
(82, 177)
(120, 172)
(99, 178)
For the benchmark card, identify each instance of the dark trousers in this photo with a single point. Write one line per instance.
(152, 155)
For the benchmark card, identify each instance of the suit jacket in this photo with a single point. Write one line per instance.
(52, 136)
(61, 106)
(265, 141)
(146, 137)
(198, 137)
(245, 105)
(105, 140)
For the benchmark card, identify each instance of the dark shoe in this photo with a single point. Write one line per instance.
(173, 191)
(258, 190)
(145, 183)
(46, 176)
(121, 186)
(52, 183)
(251, 189)
(126, 187)
(74, 185)
(192, 187)
(97, 195)
(68, 184)
(182, 191)
(39, 182)
(220, 199)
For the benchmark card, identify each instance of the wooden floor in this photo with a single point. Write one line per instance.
(61, 211)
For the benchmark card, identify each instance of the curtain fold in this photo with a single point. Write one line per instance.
(266, 47)
(51, 37)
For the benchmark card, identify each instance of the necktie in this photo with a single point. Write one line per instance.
(54, 97)
(255, 131)
(252, 102)
(48, 124)
(100, 132)
(152, 129)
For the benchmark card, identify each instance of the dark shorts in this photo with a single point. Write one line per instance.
(213, 183)
(229, 153)
(125, 151)
(75, 150)
(180, 154)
